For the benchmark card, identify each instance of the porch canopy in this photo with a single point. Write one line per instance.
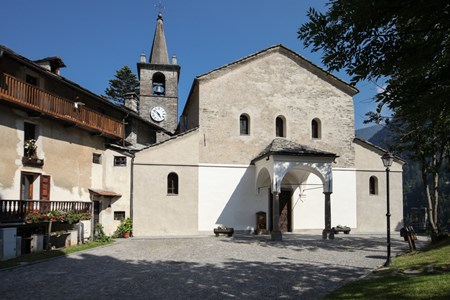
(283, 156)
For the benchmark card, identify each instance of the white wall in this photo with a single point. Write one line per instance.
(227, 196)
(309, 201)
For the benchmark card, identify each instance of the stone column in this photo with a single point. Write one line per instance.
(327, 232)
(276, 233)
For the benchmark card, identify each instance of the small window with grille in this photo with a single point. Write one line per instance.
(120, 161)
(119, 215)
(96, 158)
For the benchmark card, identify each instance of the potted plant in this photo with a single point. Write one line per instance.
(30, 157)
(30, 148)
(125, 228)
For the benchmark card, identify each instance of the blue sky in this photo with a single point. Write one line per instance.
(97, 37)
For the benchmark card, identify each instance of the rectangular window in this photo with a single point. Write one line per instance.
(96, 158)
(31, 80)
(120, 161)
(29, 135)
(119, 215)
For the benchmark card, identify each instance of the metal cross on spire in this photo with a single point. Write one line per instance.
(160, 6)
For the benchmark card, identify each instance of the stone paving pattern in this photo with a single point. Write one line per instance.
(242, 267)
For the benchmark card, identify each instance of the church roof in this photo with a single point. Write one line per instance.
(283, 146)
(377, 149)
(159, 54)
(313, 68)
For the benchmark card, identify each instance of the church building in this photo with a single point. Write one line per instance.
(272, 135)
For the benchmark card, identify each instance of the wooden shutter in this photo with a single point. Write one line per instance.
(45, 187)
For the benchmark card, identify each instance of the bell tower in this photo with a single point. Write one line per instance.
(159, 83)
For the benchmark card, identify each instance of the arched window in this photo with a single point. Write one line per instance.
(172, 184)
(159, 84)
(316, 129)
(244, 123)
(373, 185)
(279, 127)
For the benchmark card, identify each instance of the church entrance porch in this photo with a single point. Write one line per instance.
(286, 162)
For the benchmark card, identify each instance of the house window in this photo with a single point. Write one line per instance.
(316, 129)
(29, 132)
(34, 186)
(119, 215)
(279, 127)
(172, 184)
(159, 84)
(31, 80)
(120, 161)
(244, 124)
(373, 185)
(97, 158)
(27, 185)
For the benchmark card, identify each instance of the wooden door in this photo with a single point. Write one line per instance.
(285, 212)
(26, 192)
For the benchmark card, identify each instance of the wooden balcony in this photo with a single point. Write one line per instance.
(16, 211)
(29, 96)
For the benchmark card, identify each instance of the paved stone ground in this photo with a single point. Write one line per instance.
(243, 267)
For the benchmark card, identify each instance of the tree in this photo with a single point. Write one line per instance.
(124, 83)
(408, 44)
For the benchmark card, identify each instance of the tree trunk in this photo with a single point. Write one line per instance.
(432, 193)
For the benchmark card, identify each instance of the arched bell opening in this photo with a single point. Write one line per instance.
(159, 84)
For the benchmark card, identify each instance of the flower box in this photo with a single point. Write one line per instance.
(32, 162)
(344, 229)
(228, 231)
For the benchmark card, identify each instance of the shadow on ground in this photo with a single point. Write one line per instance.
(104, 277)
(95, 275)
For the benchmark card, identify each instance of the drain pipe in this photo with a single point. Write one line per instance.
(132, 183)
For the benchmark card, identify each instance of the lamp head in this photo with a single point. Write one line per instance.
(387, 159)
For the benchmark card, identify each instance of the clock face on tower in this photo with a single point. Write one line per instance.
(158, 114)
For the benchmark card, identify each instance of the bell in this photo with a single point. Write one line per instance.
(158, 89)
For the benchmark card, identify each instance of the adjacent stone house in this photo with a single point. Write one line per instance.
(63, 147)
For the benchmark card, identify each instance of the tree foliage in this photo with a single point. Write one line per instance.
(408, 44)
(125, 82)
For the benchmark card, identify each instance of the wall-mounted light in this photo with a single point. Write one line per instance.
(77, 105)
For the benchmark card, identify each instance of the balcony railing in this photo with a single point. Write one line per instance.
(16, 211)
(19, 92)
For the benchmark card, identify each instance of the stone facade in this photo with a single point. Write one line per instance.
(265, 86)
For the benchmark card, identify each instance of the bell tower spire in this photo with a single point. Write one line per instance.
(159, 83)
(158, 54)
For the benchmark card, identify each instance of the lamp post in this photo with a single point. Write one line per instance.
(387, 159)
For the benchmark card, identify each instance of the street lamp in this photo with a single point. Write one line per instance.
(387, 159)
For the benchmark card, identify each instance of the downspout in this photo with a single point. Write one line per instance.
(132, 184)
(2, 84)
